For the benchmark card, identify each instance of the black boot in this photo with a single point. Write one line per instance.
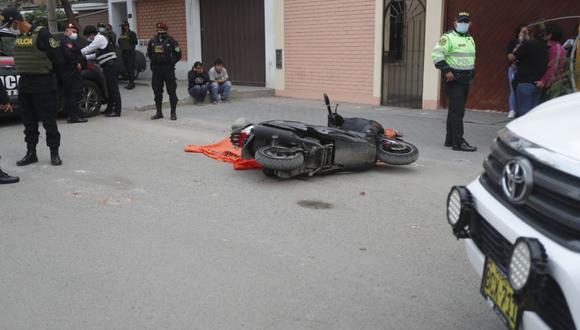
(75, 120)
(158, 114)
(130, 86)
(29, 158)
(7, 179)
(173, 115)
(55, 157)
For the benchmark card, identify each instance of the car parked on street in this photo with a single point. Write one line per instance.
(94, 84)
(520, 220)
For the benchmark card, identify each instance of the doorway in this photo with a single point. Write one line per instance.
(403, 52)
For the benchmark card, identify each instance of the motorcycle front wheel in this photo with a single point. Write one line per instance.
(397, 152)
(279, 158)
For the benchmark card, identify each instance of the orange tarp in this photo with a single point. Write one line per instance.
(224, 150)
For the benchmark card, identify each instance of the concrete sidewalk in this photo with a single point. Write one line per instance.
(141, 98)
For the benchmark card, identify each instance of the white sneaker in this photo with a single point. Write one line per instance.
(511, 114)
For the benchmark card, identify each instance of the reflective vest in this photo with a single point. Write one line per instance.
(28, 59)
(457, 50)
(106, 54)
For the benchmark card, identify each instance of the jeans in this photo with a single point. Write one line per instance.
(198, 92)
(512, 99)
(222, 89)
(528, 96)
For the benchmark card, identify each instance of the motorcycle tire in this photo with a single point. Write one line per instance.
(279, 158)
(404, 154)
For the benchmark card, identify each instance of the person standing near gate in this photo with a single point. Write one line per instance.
(454, 55)
(164, 53)
(72, 79)
(127, 42)
(38, 61)
(102, 49)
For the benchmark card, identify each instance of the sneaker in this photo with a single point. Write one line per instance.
(214, 102)
(226, 100)
(511, 114)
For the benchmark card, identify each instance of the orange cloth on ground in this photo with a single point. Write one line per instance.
(224, 150)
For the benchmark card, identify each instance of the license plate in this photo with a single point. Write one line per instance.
(495, 287)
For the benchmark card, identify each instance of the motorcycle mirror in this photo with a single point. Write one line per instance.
(327, 101)
(336, 108)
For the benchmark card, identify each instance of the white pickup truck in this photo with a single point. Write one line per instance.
(520, 220)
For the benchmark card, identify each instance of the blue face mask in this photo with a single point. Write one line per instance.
(462, 27)
(73, 36)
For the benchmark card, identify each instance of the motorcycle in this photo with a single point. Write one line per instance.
(288, 149)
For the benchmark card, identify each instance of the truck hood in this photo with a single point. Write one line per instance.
(554, 125)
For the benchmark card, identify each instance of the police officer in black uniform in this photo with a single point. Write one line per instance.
(5, 106)
(164, 53)
(72, 79)
(127, 42)
(102, 49)
(38, 61)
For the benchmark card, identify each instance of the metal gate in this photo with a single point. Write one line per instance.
(234, 31)
(403, 53)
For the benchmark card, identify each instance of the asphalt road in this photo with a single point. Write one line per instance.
(133, 233)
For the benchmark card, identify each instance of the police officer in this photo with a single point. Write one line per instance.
(102, 49)
(164, 53)
(127, 42)
(454, 55)
(38, 61)
(72, 79)
(5, 106)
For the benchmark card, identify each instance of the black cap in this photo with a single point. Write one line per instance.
(9, 15)
(464, 17)
(90, 29)
(124, 23)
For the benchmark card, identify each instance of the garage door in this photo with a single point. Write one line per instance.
(234, 31)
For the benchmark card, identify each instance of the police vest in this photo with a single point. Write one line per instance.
(457, 50)
(162, 51)
(106, 54)
(28, 59)
(125, 42)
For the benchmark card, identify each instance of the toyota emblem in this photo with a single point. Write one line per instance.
(517, 180)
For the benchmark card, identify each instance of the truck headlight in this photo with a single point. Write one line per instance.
(528, 266)
(459, 210)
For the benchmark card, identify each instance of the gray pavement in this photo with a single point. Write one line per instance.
(133, 233)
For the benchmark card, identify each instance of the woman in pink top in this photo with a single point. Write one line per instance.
(556, 57)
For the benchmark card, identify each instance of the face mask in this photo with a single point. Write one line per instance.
(162, 35)
(523, 37)
(102, 30)
(462, 27)
(74, 36)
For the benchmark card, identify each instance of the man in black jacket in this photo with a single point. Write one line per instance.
(164, 53)
(72, 79)
(127, 42)
(5, 106)
(38, 61)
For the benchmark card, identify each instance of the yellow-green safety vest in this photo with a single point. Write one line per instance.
(457, 50)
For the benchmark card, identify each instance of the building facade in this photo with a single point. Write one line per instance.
(368, 51)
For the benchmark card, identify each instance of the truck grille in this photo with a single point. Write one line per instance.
(553, 208)
(550, 304)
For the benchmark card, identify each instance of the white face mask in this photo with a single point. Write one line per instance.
(462, 27)
(74, 36)
(102, 30)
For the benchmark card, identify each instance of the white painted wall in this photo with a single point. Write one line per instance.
(193, 21)
(432, 76)
(270, 38)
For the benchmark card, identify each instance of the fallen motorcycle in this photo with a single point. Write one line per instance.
(288, 149)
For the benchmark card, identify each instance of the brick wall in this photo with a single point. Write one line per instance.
(171, 12)
(329, 46)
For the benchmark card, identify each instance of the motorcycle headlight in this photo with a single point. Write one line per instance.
(459, 209)
(528, 266)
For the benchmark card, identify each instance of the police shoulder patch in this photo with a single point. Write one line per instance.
(443, 41)
(177, 49)
(53, 42)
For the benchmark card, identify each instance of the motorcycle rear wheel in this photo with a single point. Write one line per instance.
(279, 158)
(402, 153)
